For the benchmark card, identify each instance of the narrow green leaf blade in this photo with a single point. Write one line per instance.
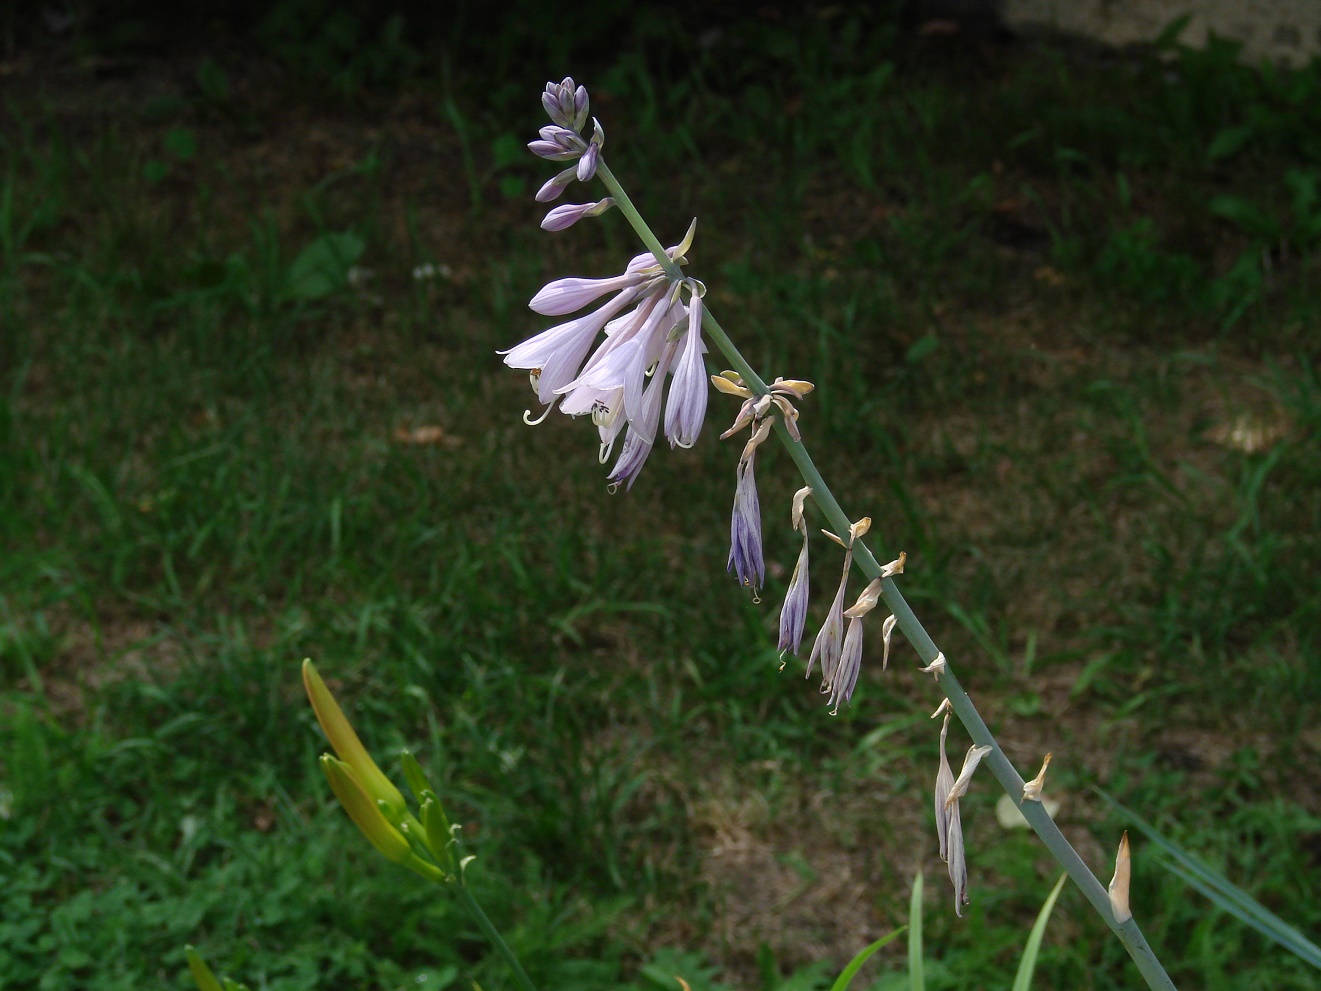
(916, 978)
(849, 972)
(1023, 980)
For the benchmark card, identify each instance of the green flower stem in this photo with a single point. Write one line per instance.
(493, 937)
(1128, 932)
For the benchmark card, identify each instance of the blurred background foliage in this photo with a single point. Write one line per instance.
(255, 260)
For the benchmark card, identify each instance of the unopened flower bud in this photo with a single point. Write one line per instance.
(364, 812)
(565, 216)
(345, 741)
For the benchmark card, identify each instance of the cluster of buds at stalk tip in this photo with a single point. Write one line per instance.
(651, 324)
(424, 843)
(949, 824)
(562, 141)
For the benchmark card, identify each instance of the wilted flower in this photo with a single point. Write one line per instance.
(944, 782)
(829, 639)
(953, 846)
(745, 555)
(793, 614)
(1032, 789)
(850, 656)
(887, 628)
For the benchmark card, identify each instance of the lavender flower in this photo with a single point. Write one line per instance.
(686, 408)
(553, 356)
(622, 384)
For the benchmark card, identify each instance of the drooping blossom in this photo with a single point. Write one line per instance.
(793, 614)
(850, 656)
(745, 553)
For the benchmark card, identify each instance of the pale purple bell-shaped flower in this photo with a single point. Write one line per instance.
(555, 355)
(686, 407)
(566, 295)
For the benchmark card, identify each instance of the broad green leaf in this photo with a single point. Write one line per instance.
(322, 268)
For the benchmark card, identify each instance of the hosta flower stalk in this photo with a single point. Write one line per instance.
(774, 404)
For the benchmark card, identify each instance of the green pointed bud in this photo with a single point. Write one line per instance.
(364, 811)
(346, 743)
(415, 776)
(440, 835)
(202, 976)
(234, 985)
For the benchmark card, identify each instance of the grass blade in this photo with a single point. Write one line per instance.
(1023, 979)
(849, 972)
(916, 979)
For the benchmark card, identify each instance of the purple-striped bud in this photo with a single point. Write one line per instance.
(570, 213)
(553, 187)
(558, 144)
(587, 164)
(565, 104)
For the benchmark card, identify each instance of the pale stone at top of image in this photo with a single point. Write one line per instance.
(1283, 31)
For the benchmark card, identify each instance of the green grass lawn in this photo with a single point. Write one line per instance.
(1062, 310)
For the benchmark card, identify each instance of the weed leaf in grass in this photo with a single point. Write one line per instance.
(846, 975)
(1023, 979)
(1223, 893)
(322, 268)
(916, 979)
